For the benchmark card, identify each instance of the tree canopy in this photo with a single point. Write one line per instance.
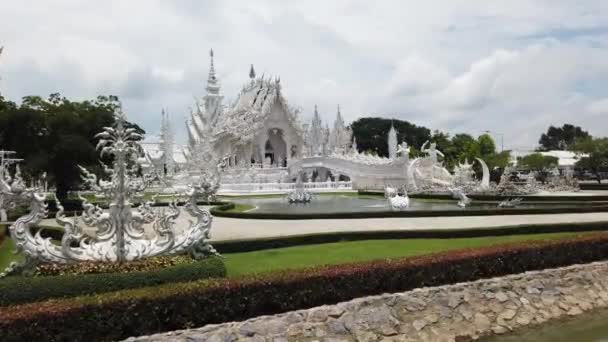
(594, 155)
(539, 163)
(55, 135)
(372, 134)
(562, 138)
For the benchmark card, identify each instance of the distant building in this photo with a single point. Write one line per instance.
(566, 160)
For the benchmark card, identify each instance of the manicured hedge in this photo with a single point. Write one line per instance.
(238, 246)
(18, 289)
(594, 186)
(119, 315)
(224, 211)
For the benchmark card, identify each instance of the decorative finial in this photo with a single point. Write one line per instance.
(211, 67)
(251, 72)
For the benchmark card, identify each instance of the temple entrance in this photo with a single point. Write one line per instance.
(275, 149)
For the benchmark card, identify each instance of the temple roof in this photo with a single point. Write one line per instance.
(246, 117)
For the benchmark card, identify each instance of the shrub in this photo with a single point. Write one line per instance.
(90, 267)
(127, 313)
(18, 289)
(3, 232)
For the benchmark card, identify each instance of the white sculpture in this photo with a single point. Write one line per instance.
(432, 151)
(392, 143)
(485, 179)
(510, 203)
(10, 187)
(463, 199)
(403, 150)
(119, 232)
(299, 195)
(395, 200)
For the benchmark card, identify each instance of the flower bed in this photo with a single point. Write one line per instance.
(92, 267)
(168, 307)
(90, 278)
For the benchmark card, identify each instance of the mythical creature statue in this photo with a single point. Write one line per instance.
(119, 233)
(510, 203)
(463, 199)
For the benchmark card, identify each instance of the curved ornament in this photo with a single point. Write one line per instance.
(485, 179)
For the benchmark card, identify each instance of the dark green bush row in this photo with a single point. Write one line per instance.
(224, 211)
(141, 312)
(3, 232)
(238, 246)
(593, 186)
(18, 289)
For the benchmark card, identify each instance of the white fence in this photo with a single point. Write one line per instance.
(283, 187)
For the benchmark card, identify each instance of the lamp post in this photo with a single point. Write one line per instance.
(502, 138)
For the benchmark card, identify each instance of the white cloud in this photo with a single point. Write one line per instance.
(598, 107)
(465, 65)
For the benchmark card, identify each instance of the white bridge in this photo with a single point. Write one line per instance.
(351, 168)
(268, 188)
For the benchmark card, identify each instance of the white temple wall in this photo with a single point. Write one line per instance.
(375, 183)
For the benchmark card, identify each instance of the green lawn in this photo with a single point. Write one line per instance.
(240, 208)
(341, 252)
(6, 254)
(345, 252)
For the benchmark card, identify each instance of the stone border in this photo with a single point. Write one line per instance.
(457, 312)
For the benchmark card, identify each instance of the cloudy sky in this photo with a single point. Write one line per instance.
(511, 67)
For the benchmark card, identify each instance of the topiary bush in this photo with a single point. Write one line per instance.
(118, 315)
(19, 289)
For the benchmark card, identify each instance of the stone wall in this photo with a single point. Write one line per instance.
(459, 312)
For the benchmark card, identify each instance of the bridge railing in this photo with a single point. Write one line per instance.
(283, 187)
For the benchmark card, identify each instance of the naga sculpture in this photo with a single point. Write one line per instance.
(118, 234)
(463, 199)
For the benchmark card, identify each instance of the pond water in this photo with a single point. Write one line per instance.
(590, 327)
(351, 203)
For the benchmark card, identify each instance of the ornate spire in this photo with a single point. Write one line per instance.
(251, 72)
(392, 142)
(213, 86)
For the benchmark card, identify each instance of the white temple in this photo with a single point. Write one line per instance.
(260, 130)
(262, 146)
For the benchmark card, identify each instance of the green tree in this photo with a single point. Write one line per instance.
(487, 147)
(594, 155)
(539, 164)
(372, 134)
(465, 147)
(562, 138)
(55, 135)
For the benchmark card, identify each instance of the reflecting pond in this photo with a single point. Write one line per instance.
(590, 327)
(332, 203)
